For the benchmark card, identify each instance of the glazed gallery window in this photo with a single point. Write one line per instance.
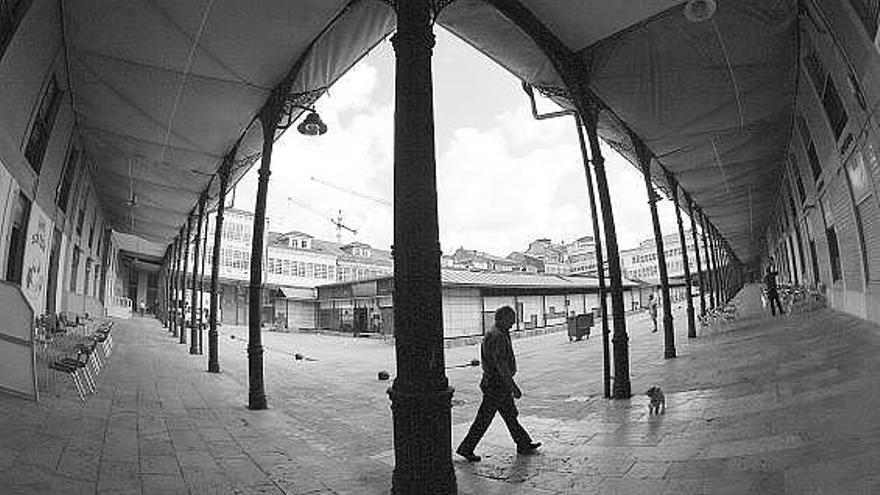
(17, 239)
(826, 90)
(833, 253)
(42, 126)
(867, 10)
(74, 268)
(70, 164)
(810, 148)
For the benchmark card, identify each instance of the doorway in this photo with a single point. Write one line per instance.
(52, 286)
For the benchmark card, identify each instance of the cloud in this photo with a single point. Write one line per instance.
(504, 179)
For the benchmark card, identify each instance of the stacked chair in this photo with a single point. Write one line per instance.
(85, 358)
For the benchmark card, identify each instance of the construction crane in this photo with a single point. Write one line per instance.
(335, 221)
(381, 201)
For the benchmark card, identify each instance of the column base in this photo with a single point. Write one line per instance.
(422, 441)
(257, 402)
(622, 389)
(213, 368)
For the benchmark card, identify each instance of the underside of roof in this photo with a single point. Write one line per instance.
(164, 89)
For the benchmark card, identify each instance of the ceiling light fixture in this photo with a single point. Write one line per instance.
(312, 125)
(699, 10)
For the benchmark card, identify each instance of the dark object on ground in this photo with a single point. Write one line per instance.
(470, 456)
(297, 356)
(232, 337)
(475, 362)
(383, 375)
(528, 449)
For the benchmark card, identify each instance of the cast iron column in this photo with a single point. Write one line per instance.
(720, 261)
(600, 263)
(213, 354)
(644, 157)
(202, 284)
(163, 275)
(185, 269)
(269, 115)
(421, 398)
(709, 270)
(622, 387)
(716, 267)
(172, 325)
(178, 267)
(194, 296)
(692, 327)
(694, 234)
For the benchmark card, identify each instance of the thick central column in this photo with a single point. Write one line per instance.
(213, 354)
(183, 278)
(644, 158)
(697, 257)
(195, 295)
(421, 399)
(692, 327)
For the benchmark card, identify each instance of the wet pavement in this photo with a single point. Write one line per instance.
(761, 405)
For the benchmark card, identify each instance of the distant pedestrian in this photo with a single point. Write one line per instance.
(499, 389)
(771, 290)
(652, 307)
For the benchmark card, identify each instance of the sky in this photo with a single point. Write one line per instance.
(504, 179)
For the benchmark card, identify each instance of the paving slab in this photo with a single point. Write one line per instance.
(759, 405)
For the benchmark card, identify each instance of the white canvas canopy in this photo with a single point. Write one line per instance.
(165, 88)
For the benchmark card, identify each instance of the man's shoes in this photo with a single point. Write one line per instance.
(470, 456)
(527, 449)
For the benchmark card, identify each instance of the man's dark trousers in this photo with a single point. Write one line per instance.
(773, 298)
(501, 401)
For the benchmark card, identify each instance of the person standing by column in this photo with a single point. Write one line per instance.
(499, 389)
(652, 307)
(771, 290)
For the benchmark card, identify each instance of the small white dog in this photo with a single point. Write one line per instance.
(658, 400)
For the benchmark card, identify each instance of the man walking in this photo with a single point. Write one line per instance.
(499, 389)
(771, 290)
(652, 307)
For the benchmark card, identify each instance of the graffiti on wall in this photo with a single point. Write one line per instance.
(36, 259)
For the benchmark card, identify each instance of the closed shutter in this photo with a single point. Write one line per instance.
(847, 234)
(869, 212)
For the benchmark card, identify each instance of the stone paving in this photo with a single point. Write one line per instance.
(762, 406)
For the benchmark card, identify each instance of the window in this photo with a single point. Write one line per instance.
(87, 279)
(802, 193)
(11, 14)
(857, 174)
(81, 218)
(804, 129)
(867, 11)
(42, 127)
(815, 261)
(833, 253)
(92, 230)
(74, 268)
(834, 108)
(70, 165)
(17, 239)
(826, 90)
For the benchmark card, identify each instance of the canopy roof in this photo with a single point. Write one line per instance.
(164, 89)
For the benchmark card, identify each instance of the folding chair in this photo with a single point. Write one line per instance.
(70, 370)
